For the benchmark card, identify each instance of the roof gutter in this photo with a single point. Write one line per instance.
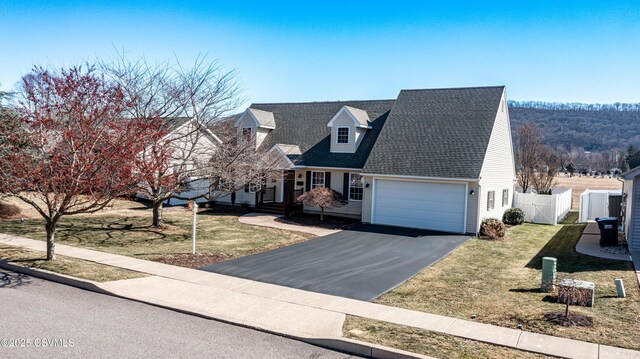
(424, 177)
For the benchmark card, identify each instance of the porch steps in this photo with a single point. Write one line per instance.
(278, 208)
(272, 208)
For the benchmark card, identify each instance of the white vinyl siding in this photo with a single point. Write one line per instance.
(343, 121)
(498, 168)
(352, 209)
(635, 219)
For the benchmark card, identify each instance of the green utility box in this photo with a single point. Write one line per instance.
(548, 274)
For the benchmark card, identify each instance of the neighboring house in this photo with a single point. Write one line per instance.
(631, 207)
(192, 144)
(438, 159)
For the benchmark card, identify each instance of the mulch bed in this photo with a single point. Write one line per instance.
(193, 261)
(9, 211)
(573, 320)
(313, 220)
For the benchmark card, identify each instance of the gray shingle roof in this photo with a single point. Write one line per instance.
(170, 124)
(360, 115)
(265, 118)
(305, 125)
(437, 133)
(427, 133)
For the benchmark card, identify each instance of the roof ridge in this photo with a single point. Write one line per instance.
(456, 88)
(320, 102)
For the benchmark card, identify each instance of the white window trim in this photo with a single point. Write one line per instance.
(349, 190)
(250, 131)
(324, 177)
(505, 201)
(491, 201)
(348, 135)
(252, 187)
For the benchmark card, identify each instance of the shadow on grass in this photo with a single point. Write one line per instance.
(525, 290)
(562, 246)
(96, 230)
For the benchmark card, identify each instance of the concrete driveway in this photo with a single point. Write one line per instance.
(362, 262)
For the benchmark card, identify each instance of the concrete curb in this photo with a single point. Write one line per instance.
(345, 345)
(54, 277)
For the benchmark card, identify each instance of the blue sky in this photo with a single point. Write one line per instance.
(566, 51)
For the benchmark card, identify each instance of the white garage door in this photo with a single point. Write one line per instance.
(427, 205)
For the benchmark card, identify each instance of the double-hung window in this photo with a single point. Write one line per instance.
(505, 197)
(317, 179)
(356, 185)
(246, 134)
(343, 135)
(491, 200)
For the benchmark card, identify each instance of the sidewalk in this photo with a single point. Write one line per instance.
(295, 312)
(268, 220)
(589, 244)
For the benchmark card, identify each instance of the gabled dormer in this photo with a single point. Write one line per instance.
(254, 125)
(348, 128)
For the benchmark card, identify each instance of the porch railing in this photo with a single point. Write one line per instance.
(268, 195)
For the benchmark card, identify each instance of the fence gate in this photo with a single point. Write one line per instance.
(615, 206)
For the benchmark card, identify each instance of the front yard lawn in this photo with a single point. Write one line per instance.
(429, 343)
(125, 229)
(65, 265)
(498, 281)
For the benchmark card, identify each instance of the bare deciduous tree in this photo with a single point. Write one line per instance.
(179, 103)
(544, 173)
(528, 147)
(237, 163)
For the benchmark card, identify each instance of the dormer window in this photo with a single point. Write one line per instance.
(343, 135)
(246, 134)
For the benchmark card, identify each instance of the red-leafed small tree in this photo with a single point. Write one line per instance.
(73, 151)
(322, 197)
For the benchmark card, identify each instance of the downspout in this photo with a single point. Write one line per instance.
(624, 206)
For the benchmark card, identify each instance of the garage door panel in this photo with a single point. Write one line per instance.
(428, 205)
(441, 214)
(416, 205)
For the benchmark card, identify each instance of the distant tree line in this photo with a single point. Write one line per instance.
(588, 130)
(576, 106)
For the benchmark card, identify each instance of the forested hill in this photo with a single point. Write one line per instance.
(593, 127)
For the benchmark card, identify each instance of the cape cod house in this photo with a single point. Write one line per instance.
(439, 159)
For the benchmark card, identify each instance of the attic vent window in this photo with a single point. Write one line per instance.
(343, 135)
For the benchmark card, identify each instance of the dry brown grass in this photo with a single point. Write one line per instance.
(499, 282)
(126, 229)
(427, 343)
(580, 184)
(66, 265)
(116, 205)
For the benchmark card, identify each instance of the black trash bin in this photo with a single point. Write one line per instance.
(608, 231)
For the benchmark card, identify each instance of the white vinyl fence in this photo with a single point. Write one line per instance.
(595, 203)
(544, 209)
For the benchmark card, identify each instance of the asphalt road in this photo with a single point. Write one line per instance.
(362, 262)
(91, 325)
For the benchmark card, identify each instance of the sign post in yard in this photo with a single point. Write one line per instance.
(195, 211)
